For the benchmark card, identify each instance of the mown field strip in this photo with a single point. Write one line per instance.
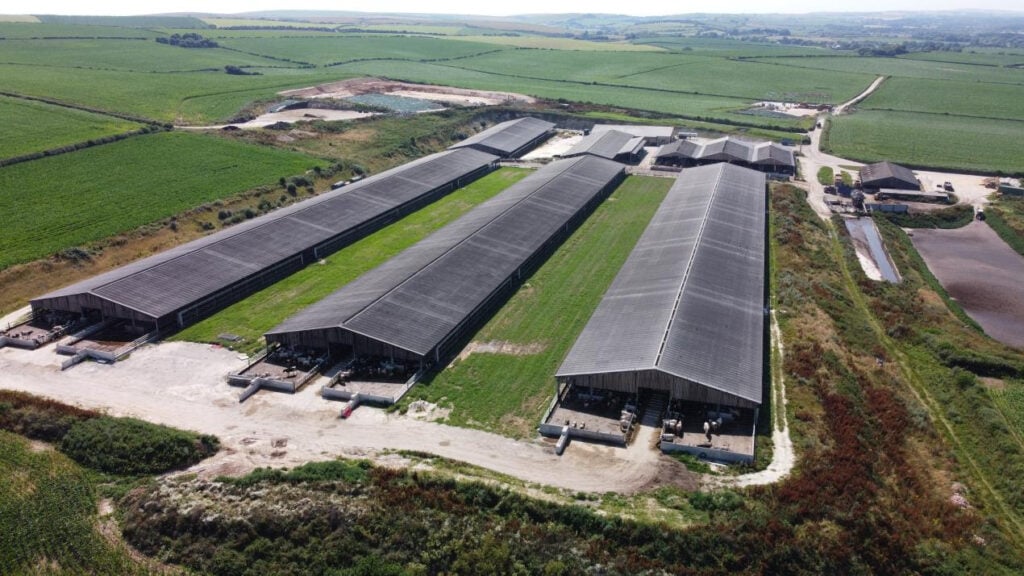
(507, 393)
(260, 312)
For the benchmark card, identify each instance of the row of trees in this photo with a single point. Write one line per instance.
(187, 40)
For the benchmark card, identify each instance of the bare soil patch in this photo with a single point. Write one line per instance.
(982, 273)
(501, 347)
(450, 94)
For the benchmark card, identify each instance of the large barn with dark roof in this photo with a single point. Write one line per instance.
(686, 313)
(421, 304)
(762, 156)
(184, 284)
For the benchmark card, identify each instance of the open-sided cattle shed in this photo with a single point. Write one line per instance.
(420, 304)
(686, 312)
(510, 139)
(763, 156)
(181, 285)
(888, 175)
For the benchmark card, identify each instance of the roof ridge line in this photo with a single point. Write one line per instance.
(570, 161)
(689, 265)
(321, 199)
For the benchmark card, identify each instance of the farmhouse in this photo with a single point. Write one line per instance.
(683, 323)
(184, 284)
(417, 308)
(510, 139)
(652, 135)
(763, 156)
(610, 144)
(888, 175)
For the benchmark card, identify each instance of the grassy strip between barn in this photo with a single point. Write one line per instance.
(507, 393)
(260, 312)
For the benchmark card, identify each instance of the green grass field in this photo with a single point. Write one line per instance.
(324, 51)
(550, 43)
(672, 71)
(508, 393)
(260, 312)
(125, 55)
(929, 140)
(187, 97)
(22, 30)
(728, 48)
(76, 198)
(904, 67)
(947, 97)
(34, 126)
(693, 106)
(47, 515)
(975, 56)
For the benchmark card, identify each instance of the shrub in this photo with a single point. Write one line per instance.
(130, 446)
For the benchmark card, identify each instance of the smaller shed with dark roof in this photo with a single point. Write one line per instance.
(888, 175)
(510, 139)
(611, 145)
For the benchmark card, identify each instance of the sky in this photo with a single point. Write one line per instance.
(648, 8)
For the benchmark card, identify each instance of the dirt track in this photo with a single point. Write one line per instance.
(182, 384)
(982, 273)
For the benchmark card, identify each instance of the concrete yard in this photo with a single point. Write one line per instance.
(183, 385)
(982, 273)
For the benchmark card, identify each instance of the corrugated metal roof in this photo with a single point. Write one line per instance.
(508, 137)
(640, 130)
(689, 299)
(183, 275)
(884, 170)
(730, 150)
(415, 300)
(603, 145)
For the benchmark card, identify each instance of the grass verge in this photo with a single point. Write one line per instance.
(507, 393)
(260, 312)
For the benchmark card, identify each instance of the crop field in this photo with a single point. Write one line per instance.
(71, 199)
(15, 30)
(228, 22)
(904, 67)
(124, 55)
(954, 98)
(666, 71)
(550, 43)
(929, 140)
(324, 51)
(701, 106)
(35, 126)
(976, 56)
(260, 312)
(508, 393)
(47, 514)
(182, 97)
(728, 48)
